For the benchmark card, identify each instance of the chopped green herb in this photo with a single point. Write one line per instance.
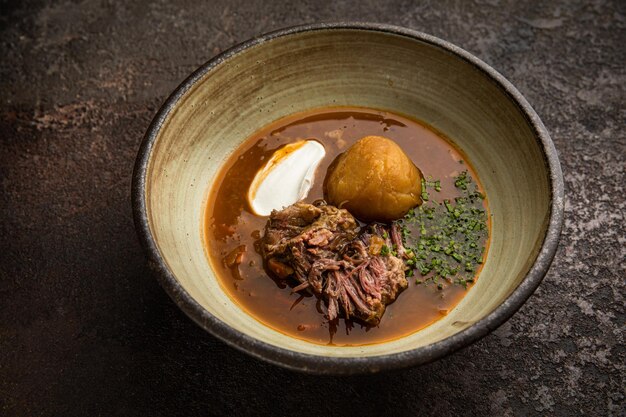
(445, 239)
(462, 180)
(425, 196)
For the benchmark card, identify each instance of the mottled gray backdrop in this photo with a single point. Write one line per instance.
(85, 329)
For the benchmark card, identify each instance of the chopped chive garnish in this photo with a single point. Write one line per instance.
(445, 239)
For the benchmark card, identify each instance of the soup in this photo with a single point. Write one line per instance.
(444, 258)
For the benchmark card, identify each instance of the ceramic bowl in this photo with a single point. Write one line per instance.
(369, 65)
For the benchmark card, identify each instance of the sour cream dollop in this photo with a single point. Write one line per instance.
(286, 178)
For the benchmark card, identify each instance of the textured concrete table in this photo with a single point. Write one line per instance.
(86, 330)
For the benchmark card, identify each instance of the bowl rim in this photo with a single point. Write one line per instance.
(349, 365)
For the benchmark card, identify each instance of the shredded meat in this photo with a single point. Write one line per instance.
(323, 248)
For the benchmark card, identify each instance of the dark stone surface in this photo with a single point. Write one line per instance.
(86, 330)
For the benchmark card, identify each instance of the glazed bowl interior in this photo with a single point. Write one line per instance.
(256, 85)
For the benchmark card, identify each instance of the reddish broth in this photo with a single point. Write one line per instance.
(230, 226)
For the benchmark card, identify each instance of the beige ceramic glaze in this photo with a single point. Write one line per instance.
(310, 69)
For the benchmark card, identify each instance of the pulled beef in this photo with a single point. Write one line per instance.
(323, 248)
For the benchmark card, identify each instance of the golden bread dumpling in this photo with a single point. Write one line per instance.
(374, 180)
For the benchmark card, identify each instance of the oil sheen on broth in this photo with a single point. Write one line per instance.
(231, 229)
